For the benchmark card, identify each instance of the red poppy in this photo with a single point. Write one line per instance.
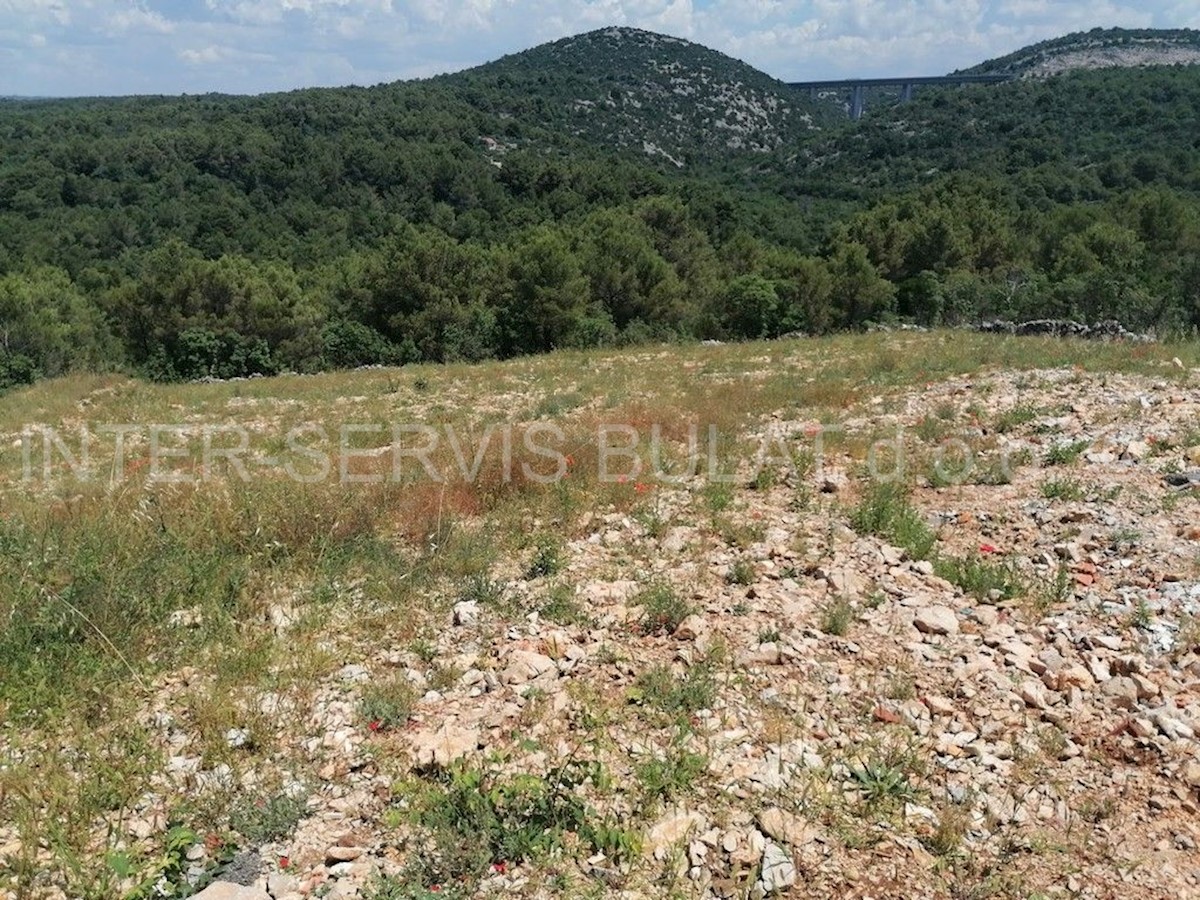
(375, 725)
(284, 862)
(500, 868)
(987, 548)
(641, 487)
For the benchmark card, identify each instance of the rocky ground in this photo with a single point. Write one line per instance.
(765, 698)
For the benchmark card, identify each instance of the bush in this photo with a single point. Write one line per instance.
(198, 353)
(347, 345)
(17, 369)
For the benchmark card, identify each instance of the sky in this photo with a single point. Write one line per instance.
(92, 47)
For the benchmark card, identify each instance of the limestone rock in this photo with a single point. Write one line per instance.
(444, 746)
(224, 890)
(937, 620)
(778, 870)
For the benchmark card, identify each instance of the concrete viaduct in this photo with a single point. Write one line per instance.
(858, 87)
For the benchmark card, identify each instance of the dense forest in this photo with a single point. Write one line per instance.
(546, 201)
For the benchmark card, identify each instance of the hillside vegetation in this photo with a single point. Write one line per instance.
(746, 668)
(538, 202)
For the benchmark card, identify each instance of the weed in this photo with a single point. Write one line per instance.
(836, 616)
(471, 818)
(881, 780)
(953, 823)
(268, 819)
(555, 405)
(388, 703)
(741, 572)
(667, 777)
(984, 580)
(718, 495)
(482, 589)
(662, 609)
(885, 511)
(765, 478)
(1063, 489)
(663, 690)
(1013, 418)
(1057, 592)
(931, 430)
(1142, 617)
(740, 534)
(1064, 454)
(562, 607)
(1125, 536)
(902, 686)
(769, 635)
(547, 557)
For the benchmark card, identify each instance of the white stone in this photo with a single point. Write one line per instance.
(224, 890)
(466, 613)
(936, 620)
(778, 870)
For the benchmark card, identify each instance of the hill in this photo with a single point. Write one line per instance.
(1101, 48)
(539, 202)
(650, 93)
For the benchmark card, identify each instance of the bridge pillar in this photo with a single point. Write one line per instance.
(906, 92)
(857, 101)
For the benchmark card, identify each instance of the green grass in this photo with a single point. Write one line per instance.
(1014, 418)
(662, 609)
(1063, 489)
(671, 776)
(980, 577)
(662, 689)
(885, 511)
(265, 819)
(468, 819)
(547, 557)
(562, 607)
(836, 617)
(387, 704)
(1064, 454)
(741, 573)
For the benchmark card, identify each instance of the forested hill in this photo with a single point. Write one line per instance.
(633, 89)
(538, 202)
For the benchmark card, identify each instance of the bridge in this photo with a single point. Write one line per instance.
(858, 86)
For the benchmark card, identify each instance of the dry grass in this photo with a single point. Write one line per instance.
(92, 570)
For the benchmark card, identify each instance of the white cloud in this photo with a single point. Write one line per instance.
(56, 10)
(205, 56)
(139, 19)
(275, 44)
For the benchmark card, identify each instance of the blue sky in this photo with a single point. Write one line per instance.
(75, 47)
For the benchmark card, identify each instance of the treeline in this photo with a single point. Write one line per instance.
(950, 253)
(225, 237)
(621, 275)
